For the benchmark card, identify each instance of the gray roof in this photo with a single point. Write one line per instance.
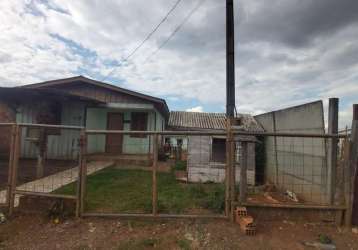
(59, 82)
(198, 120)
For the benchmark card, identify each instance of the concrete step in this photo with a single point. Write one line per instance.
(137, 160)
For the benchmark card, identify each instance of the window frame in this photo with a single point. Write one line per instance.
(134, 126)
(212, 149)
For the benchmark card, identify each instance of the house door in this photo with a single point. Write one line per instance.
(114, 142)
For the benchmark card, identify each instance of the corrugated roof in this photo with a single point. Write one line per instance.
(58, 83)
(201, 120)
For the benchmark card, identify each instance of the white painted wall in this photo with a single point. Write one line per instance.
(301, 162)
(202, 169)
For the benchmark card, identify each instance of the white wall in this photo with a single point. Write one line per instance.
(301, 164)
(201, 169)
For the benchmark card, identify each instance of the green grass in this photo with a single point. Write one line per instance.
(119, 190)
(184, 244)
(180, 166)
(139, 244)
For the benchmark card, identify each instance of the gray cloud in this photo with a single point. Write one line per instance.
(288, 52)
(296, 23)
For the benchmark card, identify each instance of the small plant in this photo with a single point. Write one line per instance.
(180, 166)
(324, 239)
(184, 244)
(138, 244)
(198, 191)
(215, 199)
(150, 242)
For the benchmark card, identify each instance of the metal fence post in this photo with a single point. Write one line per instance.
(14, 168)
(154, 176)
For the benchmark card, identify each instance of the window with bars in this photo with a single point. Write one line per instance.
(218, 150)
(139, 121)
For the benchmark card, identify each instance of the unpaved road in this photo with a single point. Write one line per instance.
(38, 232)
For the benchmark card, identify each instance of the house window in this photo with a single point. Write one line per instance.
(218, 150)
(49, 114)
(139, 121)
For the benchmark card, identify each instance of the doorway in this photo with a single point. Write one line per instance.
(114, 142)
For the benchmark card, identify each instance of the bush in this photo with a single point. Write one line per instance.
(215, 199)
(180, 166)
(197, 191)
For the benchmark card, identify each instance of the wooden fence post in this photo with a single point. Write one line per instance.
(10, 167)
(14, 167)
(243, 172)
(351, 172)
(82, 174)
(232, 176)
(154, 176)
(228, 171)
(333, 149)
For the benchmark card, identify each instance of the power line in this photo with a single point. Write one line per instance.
(176, 30)
(147, 37)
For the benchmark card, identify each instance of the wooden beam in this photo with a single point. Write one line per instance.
(41, 146)
(30, 193)
(243, 173)
(333, 149)
(352, 169)
(159, 216)
(232, 175)
(15, 165)
(227, 171)
(10, 167)
(154, 176)
(293, 206)
(275, 147)
(82, 175)
(217, 133)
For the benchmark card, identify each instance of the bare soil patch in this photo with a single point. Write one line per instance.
(39, 232)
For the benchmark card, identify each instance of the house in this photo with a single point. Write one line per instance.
(80, 101)
(207, 154)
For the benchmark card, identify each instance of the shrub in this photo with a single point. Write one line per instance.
(215, 199)
(180, 166)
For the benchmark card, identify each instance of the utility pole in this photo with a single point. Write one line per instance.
(230, 195)
(230, 60)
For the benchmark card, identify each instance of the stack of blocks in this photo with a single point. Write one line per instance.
(245, 221)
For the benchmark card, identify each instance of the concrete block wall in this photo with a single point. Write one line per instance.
(216, 174)
(301, 162)
(201, 169)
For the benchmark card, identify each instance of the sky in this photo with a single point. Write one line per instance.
(287, 52)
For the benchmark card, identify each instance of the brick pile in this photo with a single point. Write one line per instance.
(245, 221)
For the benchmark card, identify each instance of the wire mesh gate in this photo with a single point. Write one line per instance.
(203, 162)
(151, 177)
(43, 159)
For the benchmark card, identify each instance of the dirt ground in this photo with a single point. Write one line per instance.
(27, 169)
(39, 232)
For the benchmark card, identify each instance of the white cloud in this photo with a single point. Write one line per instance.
(276, 67)
(196, 109)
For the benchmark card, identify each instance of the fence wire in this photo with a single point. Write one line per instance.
(169, 173)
